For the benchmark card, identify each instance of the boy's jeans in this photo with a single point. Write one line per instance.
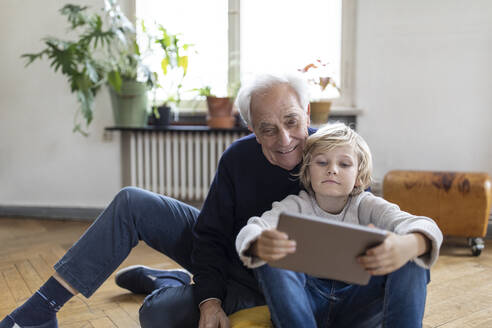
(165, 224)
(299, 300)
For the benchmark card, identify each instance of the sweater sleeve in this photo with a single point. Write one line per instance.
(212, 236)
(388, 216)
(256, 225)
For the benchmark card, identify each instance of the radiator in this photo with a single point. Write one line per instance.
(179, 164)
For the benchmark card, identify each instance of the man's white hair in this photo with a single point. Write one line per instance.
(265, 82)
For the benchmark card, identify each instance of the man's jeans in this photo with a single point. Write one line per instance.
(165, 224)
(299, 300)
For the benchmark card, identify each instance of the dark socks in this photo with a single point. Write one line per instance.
(40, 310)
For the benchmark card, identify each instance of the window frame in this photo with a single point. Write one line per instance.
(347, 62)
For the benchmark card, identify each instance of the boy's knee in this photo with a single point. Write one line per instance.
(412, 272)
(169, 307)
(278, 278)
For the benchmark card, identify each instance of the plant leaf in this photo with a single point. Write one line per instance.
(136, 48)
(142, 24)
(86, 100)
(164, 64)
(114, 79)
(32, 57)
(183, 62)
(121, 36)
(75, 14)
(91, 72)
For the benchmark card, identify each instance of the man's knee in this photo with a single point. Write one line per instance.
(128, 194)
(133, 201)
(170, 307)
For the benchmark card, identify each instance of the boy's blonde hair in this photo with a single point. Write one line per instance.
(330, 137)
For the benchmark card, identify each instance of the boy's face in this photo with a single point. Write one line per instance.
(334, 173)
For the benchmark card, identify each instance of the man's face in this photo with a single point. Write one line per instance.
(280, 125)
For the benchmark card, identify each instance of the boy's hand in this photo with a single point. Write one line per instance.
(394, 252)
(273, 245)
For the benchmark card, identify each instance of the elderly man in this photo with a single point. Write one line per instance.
(253, 172)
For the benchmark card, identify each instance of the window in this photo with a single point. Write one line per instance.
(233, 40)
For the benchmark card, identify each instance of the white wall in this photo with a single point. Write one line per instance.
(424, 81)
(42, 163)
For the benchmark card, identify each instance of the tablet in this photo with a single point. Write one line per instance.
(327, 248)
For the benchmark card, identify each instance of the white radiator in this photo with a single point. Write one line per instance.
(179, 164)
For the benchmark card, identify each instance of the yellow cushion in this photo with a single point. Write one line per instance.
(255, 317)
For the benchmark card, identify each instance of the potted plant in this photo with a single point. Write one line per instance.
(221, 113)
(104, 52)
(319, 76)
(174, 66)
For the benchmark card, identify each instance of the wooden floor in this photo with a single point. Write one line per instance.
(460, 294)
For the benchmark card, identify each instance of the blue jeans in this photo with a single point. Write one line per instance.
(299, 300)
(164, 224)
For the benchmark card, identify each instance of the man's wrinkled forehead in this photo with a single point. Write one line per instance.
(279, 94)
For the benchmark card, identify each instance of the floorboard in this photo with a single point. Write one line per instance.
(459, 295)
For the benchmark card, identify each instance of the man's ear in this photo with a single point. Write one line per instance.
(252, 131)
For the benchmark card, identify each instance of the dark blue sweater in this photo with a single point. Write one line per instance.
(245, 185)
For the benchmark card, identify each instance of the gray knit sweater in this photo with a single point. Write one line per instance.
(363, 209)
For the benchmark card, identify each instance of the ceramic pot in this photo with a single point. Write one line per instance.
(320, 111)
(221, 122)
(220, 114)
(130, 104)
(164, 116)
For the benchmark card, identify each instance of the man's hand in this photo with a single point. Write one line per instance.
(393, 253)
(212, 315)
(273, 245)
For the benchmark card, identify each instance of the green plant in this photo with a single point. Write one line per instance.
(104, 51)
(175, 58)
(174, 63)
(205, 91)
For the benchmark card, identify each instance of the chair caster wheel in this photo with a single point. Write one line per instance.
(477, 245)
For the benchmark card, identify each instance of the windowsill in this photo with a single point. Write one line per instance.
(335, 110)
(176, 128)
(345, 111)
(196, 121)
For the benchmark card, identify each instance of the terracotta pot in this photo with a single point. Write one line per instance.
(219, 106)
(320, 111)
(221, 122)
(220, 114)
